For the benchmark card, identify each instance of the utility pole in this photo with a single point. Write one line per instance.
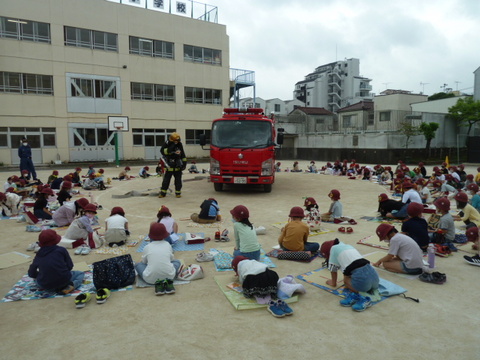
(422, 84)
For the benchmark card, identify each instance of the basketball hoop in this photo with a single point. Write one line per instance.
(119, 128)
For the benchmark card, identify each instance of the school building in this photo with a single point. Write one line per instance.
(67, 66)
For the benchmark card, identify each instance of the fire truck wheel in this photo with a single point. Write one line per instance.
(218, 186)
(267, 188)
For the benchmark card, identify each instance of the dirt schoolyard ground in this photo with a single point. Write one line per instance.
(198, 322)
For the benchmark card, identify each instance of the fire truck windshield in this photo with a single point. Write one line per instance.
(242, 134)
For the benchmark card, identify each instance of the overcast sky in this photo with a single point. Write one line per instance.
(400, 43)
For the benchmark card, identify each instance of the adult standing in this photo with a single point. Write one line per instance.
(175, 162)
(25, 155)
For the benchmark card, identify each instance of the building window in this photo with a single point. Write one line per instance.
(26, 83)
(149, 47)
(193, 136)
(202, 55)
(277, 108)
(371, 119)
(37, 137)
(91, 39)
(151, 137)
(203, 96)
(154, 92)
(385, 116)
(96, 88)
(24, 30)
(355, 140)
(347, 121)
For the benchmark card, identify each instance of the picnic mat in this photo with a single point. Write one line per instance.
(237, 299)
(13, 258)
(218, 264)
(373, 242)
(27, 289)
(381, 219)
(179, 245)
(107, 250)
(215, 225)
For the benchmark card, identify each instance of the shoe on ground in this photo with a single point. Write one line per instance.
(362, 303)
(78, 250)
(161, 195)
(350, 299)
(275, 310)
(82, 300)
(178, 196)
(102, 295)
(472, 260)
(169, 288)
(285, 308)
(67, 289)
(85, 250)
(204, 257)
(451, 246)
(33, 247)
(160, 287)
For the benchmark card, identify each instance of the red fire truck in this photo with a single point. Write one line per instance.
(242, 148)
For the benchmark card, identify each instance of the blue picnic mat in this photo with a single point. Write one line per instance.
(27, 289)
(179, 245)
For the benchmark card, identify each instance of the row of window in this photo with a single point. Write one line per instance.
(40, 32)
(46, 137)
(37, 137)
(104, 89)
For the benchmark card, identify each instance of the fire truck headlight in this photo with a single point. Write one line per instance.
(214, 167)
(267, 167)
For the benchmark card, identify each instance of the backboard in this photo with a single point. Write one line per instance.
(118, 123)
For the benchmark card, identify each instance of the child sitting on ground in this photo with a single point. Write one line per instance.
(246, 242)
(124, 174)
(143, 173)
(64, 193)
(313, 215)
(335, 212)
(475, 200)
(40, 209)
(164, 216)
(259, 282)
(468, 214)
(158, 265)
(294, 235)
(10, 203)
(209, 213)
(358, 274)
(81, 229)
(193, 168)
(52, 177)
(116, 227)
(52, 266)
(444, 233)
(66, 213)
(404, 254)
(416, 227)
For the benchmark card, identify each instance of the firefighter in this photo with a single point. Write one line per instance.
(175, 162)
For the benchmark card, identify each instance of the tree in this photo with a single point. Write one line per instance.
(440, 95)
(465, 112)
(409, 130)
(428, 130)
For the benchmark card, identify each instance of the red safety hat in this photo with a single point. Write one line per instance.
(48, 238)
(296, 211)
(127, 168)
(241, 212)
(55, 172)
(442, 203)
(334, 194)
(146, 168)
(472, 234)
(48, 191)
(165, 210)
(414, 209)
(117, 210)
(67, 184)
(461, 196)
(407, 185)
(101, 171)
(309, 201)
(157, 231)
(2, 196)
(326, 247)
(473, 187)
(383, 230)
(82, 202)
(382, 197)
(90, 208)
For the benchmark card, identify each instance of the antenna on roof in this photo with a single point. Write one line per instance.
(422, 84)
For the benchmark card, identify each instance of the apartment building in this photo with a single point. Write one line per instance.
(66, 66)
(333, 86)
